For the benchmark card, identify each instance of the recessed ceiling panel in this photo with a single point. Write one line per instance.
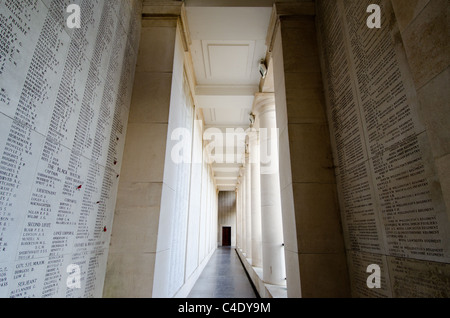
(228, 62)
(224, 67)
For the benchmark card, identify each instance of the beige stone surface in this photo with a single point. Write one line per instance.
(284, 160)
(280, 104)
(127, 275)
(293, 282)
(289, 219)
(311, 157)
(156, 52)
(317, 218)
(141, 199)
(402, 195)
(137, 230)
(306, 168)
(419, 279)
(426, 42)
(407, 10)
(136, 194)
(443, 168)
(151, 97)
(306, 105)
(434, 100)
(161, 273)
(358, 262)
(168, 198)
(144, 154)
(295, 64)
(324, 276)
(299, 44)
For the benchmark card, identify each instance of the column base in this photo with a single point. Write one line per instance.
(256, 275)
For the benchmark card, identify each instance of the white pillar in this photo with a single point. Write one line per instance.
(255, 198)
(238, 213)
(243, 236)
(274, 271)
(248, 208)
(239, 238)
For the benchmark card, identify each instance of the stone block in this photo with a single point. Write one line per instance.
(284, 160)
(434, 102)
(281, 105)
(144, 154)
(407, 10)
(311, 158)
(135, 230)
(443, 168)
(156, 51)
(127, 275)
(304, 97)
(293, 275)
(289, 219)
(161, 274)
(419, 279)
(139, 195)
(358, 263)
(151, 98)
(317, 218)
(426, 42)
(165, 218)
(324, 276)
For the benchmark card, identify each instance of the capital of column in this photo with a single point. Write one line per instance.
(263, 103)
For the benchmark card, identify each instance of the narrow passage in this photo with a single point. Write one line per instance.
(223, 277)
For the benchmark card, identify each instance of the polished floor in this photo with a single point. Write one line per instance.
(223, 277)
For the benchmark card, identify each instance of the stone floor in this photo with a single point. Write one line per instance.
(223, 277)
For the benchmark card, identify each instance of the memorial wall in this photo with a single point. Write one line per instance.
(392, 204)
(64, 100)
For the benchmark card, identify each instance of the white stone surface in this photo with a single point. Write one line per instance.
(64, 104)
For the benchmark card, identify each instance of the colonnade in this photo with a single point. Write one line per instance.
(260, 229)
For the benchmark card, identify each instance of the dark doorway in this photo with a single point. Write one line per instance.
(226, 236)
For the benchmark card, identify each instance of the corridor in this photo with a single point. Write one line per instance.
(223, 277)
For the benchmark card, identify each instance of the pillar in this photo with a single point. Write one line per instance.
(271, 218)
(314, 246)
(242, 220)
(248, 207)
(255, 198)
(238, 214)
(239, 224)
(134, 250)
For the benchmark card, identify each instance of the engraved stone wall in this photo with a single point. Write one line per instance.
(392, 205)
(64, 100)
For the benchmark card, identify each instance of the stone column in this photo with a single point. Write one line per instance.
(238, 214)
(134, 248)
(248, 207)
(255, 198)
(271, 220)
(242, 220)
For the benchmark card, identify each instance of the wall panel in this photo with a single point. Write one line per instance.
(392, 204)
(64, 103)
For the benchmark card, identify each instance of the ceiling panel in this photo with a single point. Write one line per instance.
(228, 62)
